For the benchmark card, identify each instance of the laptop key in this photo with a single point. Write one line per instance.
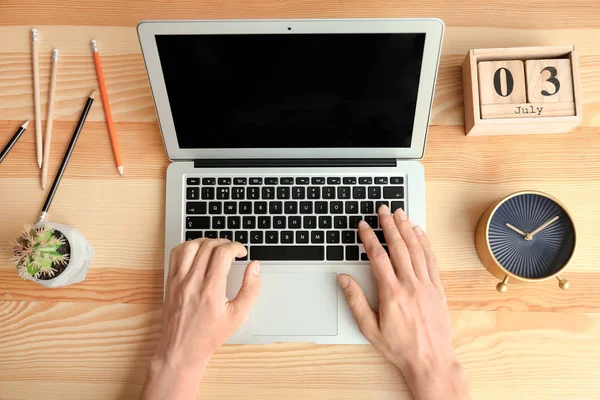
(226, 235)
(393, 192)
(268, 193)
(335, 253)
(191, 235)
(279, 222)
(214, 207)
(218, 222)
(380, 236)
(302, 181)
(352, 207)
(380, 203)
(336, 207)
(253, 193)
(211, 234)
(224, 181)
(333, 237)
(317, 237)
(366, 207)
(287, 237)
(310, 222)
(264, 222)
(234, 222)
(351, 253)
(241, 236)
(397, 180)
(329, 192)
(245, 207)
(314, 192)
(193, 193)
(209, 181)
(230, 207)
(353, 221)
(396, 205)
(272, 237)
(238, 193)
(245, 257)
(256, 237)
(275, 207)
(372, 220)
(283, 192)
(193, 181)
(287, 181)
(195, 207)
(249, 222)
(364, 180)
(320, 207)
(298, 192)
(334, 181)
(359, 192)
(260, 207)
(291, 207)
(381, 181)
(256, 181)
(343, 192)
(306, 207)
(317, 181)
(302, 237)
(223, 193)
(294, 222)
(374, 192)
(325, 222)
(349, 181)
(271, 181)
(287, 253)
(348, 237)
(340, 222)
(239, 181)
(208, 193)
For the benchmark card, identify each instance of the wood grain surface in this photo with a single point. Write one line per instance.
(93, 340)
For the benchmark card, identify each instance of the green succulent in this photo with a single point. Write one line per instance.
(36, 252)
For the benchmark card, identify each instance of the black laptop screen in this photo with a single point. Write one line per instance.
(292, 90)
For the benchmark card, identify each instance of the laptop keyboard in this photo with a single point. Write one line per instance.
(290, 218)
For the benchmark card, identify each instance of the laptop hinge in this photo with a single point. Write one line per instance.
(295, 162)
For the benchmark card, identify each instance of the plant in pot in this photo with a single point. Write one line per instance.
(52, 255)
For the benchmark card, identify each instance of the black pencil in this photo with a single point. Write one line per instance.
(14, 139)
(65, 161)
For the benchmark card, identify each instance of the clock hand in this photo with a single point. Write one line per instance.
(520, 232)
(544, 225)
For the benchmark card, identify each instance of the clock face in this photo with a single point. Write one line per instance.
(531, 236)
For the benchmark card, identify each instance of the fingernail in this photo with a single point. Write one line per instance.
(256, 267)
(362, 224)
(418, 230)
(401, 214)
(384, 209)
(343, 281)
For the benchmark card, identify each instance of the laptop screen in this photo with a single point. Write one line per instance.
(292, 90)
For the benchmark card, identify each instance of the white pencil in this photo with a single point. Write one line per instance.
(48, 138)
(36, 95)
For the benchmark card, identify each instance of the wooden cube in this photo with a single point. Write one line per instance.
(501, 82)
(549, 81)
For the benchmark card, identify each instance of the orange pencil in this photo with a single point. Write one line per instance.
(109, 121)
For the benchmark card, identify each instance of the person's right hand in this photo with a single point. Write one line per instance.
(412, 328)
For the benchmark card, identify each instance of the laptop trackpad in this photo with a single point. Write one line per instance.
(297, 305)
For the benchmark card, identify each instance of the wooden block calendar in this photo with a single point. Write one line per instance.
(521, 90)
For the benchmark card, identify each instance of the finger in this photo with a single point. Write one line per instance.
(380, 262)
(182, 257)
(415, 250)
(364, 315)
(246, 297)
(202, 258)
(397, 247)
(220, 262)
(432, 265)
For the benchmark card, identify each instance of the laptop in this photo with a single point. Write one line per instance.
(283, 135)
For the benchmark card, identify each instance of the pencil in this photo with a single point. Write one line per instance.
(48, 137)
(67, 156)
(13, 140)
(109, 121)
(36, 95)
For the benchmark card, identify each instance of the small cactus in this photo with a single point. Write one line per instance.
(36, 252)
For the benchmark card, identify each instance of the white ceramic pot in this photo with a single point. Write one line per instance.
(80, 258)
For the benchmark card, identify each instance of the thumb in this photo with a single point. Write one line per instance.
(246, 297)
(364, 315)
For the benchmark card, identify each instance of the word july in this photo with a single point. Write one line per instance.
(528, 110)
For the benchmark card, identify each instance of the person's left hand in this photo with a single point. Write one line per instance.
(198, 318)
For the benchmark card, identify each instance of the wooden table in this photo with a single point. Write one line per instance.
(93, 340)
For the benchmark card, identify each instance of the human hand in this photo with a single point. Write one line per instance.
(412, 328)
(198, 318)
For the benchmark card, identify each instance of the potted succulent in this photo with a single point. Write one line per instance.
(52, 255)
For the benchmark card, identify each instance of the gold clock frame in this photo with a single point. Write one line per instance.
(484, 251)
